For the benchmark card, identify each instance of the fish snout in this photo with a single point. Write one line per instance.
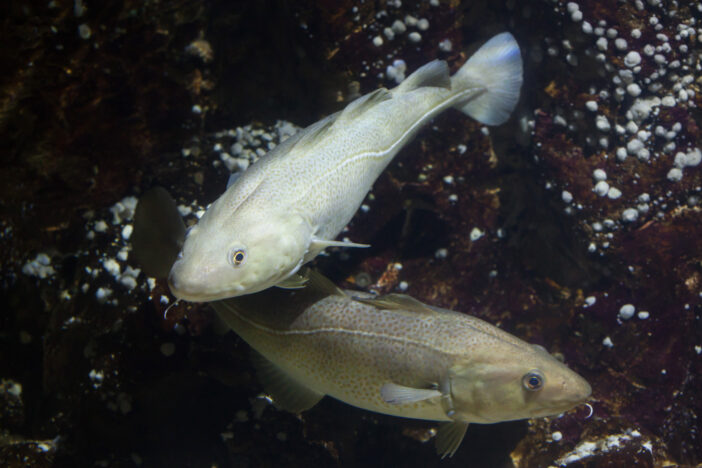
(584, 389)
(565, 392)
(202, 283)
(576, 389)
(184, 286)
(175, 284)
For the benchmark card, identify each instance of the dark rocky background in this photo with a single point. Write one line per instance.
(102, 100)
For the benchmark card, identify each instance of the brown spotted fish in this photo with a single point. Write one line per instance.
(395, 355)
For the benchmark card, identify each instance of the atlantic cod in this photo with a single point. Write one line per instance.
(398, 356)
(292, 203)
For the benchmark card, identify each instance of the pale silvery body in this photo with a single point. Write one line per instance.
(397, 356)
(293, 202)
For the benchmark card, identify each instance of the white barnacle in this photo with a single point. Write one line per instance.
(627, 311)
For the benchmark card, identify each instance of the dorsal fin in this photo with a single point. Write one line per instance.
(285, 145)
(252, 306)
(434, 74)
(233, 177)
(310, 135)
(364, 103)
(397, 302)
(320, 283)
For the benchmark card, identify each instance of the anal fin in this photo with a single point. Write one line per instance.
(449, 437)
(287, 393)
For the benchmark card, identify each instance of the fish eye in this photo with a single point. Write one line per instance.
(237, 256)
(533, 381)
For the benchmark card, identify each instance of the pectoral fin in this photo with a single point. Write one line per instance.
(449, 437)
(294, 281)
(287, 393)
(321, 244)
(400, 395)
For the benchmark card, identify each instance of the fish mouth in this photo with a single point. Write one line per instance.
(587, 392)
(184, 295)
(199, 297)
(565, 405)
(583, 393)
(199, 290)
(192, 293)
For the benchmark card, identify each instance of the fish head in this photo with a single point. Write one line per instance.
(515, 384)
(228, 256)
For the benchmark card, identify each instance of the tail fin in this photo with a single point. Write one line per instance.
(496, 67)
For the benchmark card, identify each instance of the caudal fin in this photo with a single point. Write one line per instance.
(497, 68)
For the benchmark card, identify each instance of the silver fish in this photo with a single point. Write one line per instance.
(397, 356)
(292, 203)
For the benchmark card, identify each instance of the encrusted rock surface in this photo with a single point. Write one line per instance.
(576, 225)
